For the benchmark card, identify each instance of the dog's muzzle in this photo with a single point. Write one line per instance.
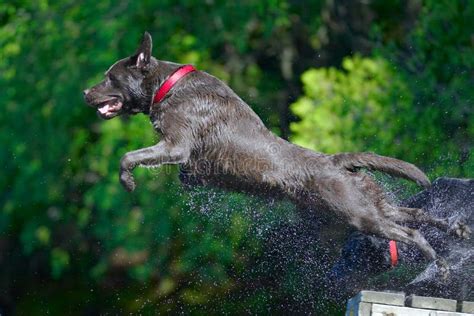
(107, 107)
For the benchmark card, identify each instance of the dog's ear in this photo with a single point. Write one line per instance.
(142, 56)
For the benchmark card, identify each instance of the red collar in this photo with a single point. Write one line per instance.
(171, 81)
(393, 252)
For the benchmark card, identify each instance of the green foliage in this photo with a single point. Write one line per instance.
(71, 233)
(438, 68)
(411, 100)
(364, 106)
(60, 191)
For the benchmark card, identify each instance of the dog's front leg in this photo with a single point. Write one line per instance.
(161, 153)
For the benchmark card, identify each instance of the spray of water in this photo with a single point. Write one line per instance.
(299, 262)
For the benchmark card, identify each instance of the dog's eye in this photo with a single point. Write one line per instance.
(112, 78)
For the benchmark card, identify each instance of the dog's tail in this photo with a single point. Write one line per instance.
(392, 166)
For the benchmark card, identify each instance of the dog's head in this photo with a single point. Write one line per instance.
(125, 88)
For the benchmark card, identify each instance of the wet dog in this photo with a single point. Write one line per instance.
(218, 140)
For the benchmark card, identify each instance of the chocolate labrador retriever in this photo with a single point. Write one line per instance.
(218, 140)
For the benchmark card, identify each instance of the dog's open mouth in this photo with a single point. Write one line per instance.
(109, 108)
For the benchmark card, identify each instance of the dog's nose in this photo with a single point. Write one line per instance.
(86, 92)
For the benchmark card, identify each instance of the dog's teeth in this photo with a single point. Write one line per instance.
(104, 109)
(117, 105)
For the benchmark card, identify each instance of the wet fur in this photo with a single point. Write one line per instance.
(218, 140)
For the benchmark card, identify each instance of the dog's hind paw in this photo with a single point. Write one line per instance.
(126, 178)
(460, 229)
(443, 268)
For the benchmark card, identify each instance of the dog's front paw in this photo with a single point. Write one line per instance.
(126, 178)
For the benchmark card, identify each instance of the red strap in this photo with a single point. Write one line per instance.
(171, 81)
(393, 252)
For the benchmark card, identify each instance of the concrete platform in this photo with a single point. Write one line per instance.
(374, 303)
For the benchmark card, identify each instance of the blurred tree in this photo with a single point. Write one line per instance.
(411, 99)
(335, 112)
(72, 240)
(63, 209)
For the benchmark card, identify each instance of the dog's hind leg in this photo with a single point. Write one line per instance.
(408, 235)
(458, 228)
(404, 234)
(417, 215)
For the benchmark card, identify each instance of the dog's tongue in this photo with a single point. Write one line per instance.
(104, 109)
